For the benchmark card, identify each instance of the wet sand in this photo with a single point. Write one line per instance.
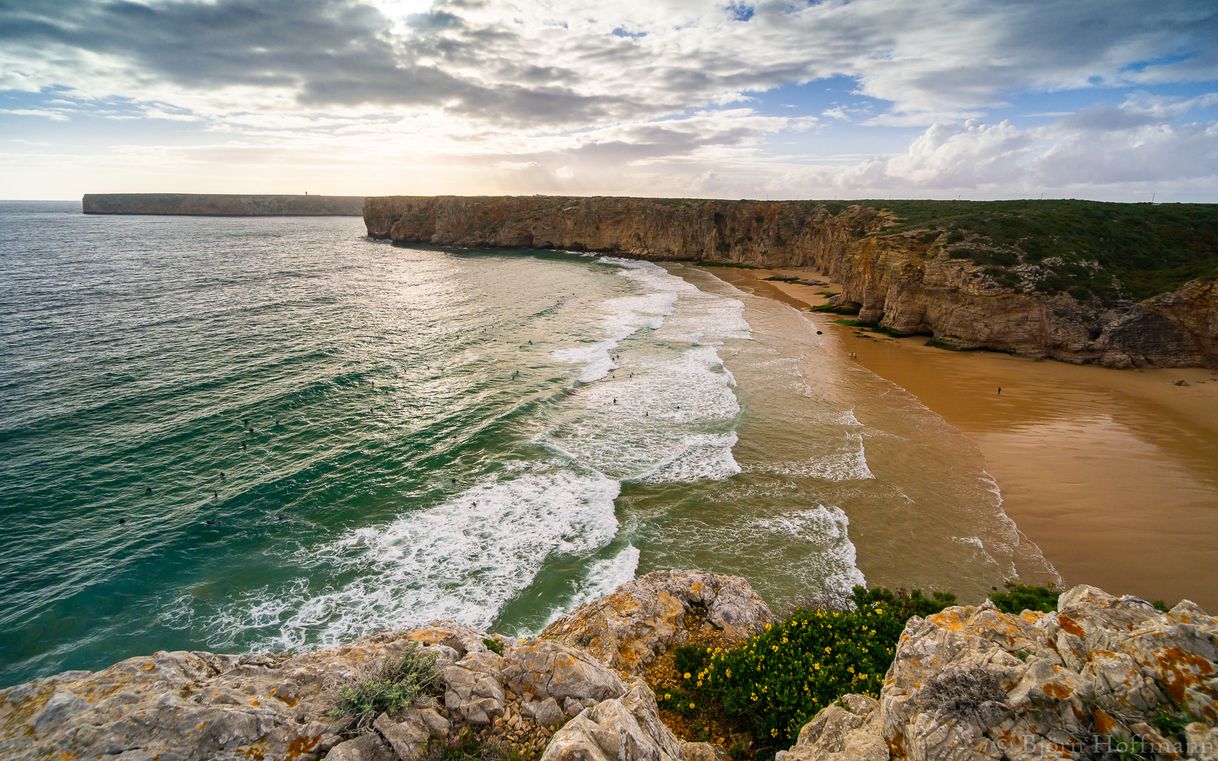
(1112, 473)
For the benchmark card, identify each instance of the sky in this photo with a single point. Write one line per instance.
(1104, 99)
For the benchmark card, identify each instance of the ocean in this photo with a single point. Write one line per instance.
(265, 433)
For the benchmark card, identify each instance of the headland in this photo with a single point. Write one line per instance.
(1120, 285)
(223, 205)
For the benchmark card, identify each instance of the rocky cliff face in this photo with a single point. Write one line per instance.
(905, 281)
(1095, 680)
(222, 205)
(966, 683)
(544, 696)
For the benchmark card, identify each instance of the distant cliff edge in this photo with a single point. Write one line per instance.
(1122, 285)
(223, 205)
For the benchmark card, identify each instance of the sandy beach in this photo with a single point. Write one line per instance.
(1112, 473)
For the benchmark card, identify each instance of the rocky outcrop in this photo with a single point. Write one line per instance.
(1096, 678)
(543, 694)
(649, 616)
(222, 205)
(906, 281)
(1101, 675)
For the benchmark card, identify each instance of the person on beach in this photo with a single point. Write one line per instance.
(1000, 390)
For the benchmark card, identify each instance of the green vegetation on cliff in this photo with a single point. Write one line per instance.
(775, 682)
(1085, 248)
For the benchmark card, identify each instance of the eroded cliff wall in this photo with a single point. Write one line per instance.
(223, 205)
(899, 278)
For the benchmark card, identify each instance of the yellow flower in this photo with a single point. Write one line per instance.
(687, 675)
(728, 673)
(850, 669)
(773, 733)
(828, 650)
(699, 682)
(691, 705)
(668, 696)
(769, 626)
(753, 696)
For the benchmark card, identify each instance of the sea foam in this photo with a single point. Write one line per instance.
(463, 559)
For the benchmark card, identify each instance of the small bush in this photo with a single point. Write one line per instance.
(1020, 597)
(777, 681)
(963, 694)
(1171, 724)
(494, 645)
(392, 687)
(906, 604)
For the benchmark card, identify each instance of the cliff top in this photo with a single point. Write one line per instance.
(1107, 251)
(222, 204)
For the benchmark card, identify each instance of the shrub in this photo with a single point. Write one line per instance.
(1020, 597)
(963, 694)
(906, 604)
(777, 681)
(391, 687)
(494, 645)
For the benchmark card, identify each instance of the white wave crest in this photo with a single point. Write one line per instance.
(832, 558)
(603, 577)
(463, 559)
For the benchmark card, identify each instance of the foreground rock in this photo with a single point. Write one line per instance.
(1096, 678)
(1101, 676)
(907, 281)
(649, 616)
(543, 695)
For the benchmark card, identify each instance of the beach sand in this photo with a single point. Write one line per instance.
(1112, 473)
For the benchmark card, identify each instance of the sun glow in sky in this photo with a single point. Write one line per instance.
(774, 99)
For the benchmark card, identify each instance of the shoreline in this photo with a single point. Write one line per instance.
(1113, 474)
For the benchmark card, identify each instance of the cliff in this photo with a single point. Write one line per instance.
(1051, 280)
(968, 682)
(219, 205)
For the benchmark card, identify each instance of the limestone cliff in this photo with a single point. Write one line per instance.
(904, 279)
(222, 205)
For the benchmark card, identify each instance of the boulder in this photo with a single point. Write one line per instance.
(545, 713)
(474, 687)
(648, 616)
(848, 730)
(548, 669)
(619, 729)
(367, 747)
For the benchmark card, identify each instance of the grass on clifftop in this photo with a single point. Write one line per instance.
(390, 687)
(1080, 246)
(771, 685)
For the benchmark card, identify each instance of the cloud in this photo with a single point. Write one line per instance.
(612, 59)
(621, 96)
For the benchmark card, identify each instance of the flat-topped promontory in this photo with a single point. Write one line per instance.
(1121, 285)
(223, 205)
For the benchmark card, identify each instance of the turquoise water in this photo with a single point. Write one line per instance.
(264, 433)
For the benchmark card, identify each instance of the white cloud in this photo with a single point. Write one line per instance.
(544, 96)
